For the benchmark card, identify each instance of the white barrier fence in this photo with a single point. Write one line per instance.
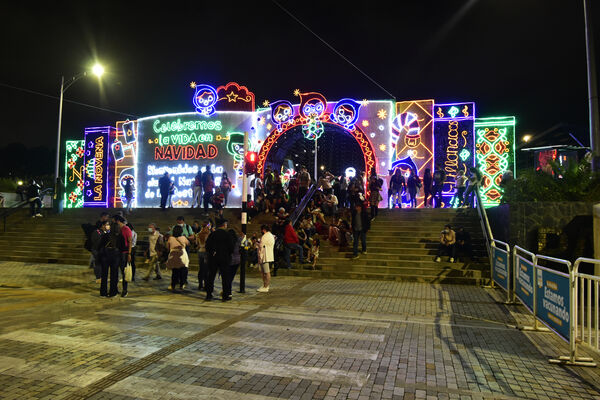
(566, 303)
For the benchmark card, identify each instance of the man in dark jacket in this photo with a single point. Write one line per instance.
(164, 184)
(361, 223)
(35, 201)
(219, 247)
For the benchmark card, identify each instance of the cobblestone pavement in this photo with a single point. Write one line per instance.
(306, 339)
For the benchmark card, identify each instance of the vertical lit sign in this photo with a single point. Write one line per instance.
(495, 154)
(454, 141)
(74, 175)
(96, 150)
(123, 152)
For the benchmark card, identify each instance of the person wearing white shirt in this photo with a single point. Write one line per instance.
(266, 257)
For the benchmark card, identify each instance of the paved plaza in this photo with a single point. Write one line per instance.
(306, 339)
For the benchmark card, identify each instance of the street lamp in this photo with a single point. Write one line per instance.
(526, 138)
(97, 70)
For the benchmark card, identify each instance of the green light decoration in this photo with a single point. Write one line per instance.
(73, 197)
(464, 154)
(453, 111)
(495, 143)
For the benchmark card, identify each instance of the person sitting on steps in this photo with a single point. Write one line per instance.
(447, 244)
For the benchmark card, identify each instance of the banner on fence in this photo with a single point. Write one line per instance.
(524, 282)
(500, 275)
(553, 301)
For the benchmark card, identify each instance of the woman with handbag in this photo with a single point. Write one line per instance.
(178, 261)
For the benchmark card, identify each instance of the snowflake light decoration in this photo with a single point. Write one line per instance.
(382, 114)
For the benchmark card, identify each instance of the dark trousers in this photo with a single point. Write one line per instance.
(343, 199)
(437, 196)
(363, 239)
(460, 195)
(122, 265)
(202, 270)
(449, 250)
(222, 266)
(413, 198)
(132, 264)
(427, 200)
(35, 206)
(374, 211)
(464, 249)
(232, 271)
(301, 193)
(110, 259)
(206, 197)
(177, 277)
(164, 195)
(288, 250)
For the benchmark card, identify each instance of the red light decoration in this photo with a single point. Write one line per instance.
(233, 97)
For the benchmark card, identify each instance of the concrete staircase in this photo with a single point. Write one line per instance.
(402, 245)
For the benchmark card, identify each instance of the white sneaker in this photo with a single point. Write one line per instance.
(451, 259)
(437, 259)
(38, 215)
(260, 288)
(263, 290)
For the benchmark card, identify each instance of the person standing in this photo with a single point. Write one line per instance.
(461, 186)
(303, 183)
(164, 184)
(343, 197)
(35, 201)
(237, 240)
(413, 185)
(266, 257)
(202, 261)
(474, 181)
(95, 240)
(128, 194)
(439, 177)
(125, 245)
(397, 184)
(110, 258)
(447, 244)
(427, 186)
(208, 184)
(225, 186)
(155, 239)
(291, 242)
(374, 197)
(219, 248)
(134, 237)
(197, 190)
(176, 245)
(361, 223)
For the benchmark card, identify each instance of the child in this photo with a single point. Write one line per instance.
(217, 199)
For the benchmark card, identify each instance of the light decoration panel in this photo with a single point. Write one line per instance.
(454, 142)
(495, 143)
(97, 165)
(74, 174)
(124, 153)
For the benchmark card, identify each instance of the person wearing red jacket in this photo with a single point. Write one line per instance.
(291, 242)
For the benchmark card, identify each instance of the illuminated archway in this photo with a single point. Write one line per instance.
(364, 143)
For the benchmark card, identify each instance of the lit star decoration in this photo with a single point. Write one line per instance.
(232, 97)
(269, 126)
(382, 114)
(262, 121)
(365, 102)
(297, 92)
(193, 85)
(382, 147)
(266, 103)
(365, 123)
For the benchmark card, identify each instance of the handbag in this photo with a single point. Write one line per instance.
(128, 273)
(176, 258)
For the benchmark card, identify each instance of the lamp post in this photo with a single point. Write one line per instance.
(592, 87)
(97, 70)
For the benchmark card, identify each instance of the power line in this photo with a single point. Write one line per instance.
(68, 101)
(333, 49)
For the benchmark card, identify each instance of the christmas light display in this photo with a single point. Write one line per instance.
(345, 113)
(495, 144)
(124, 154)
(74, 174)
(97, 166)
(205, 98)
(454, 142)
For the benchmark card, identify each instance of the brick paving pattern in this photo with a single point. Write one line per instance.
(306, 339)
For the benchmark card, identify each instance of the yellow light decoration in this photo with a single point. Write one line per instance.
(266, 103)
(382, 147)
(382, 114)
(297, 92)
(269, 126)
(365, 123)
(232, 97)
(262, 121)
(193, 85)
(149, 141)
(365, 102)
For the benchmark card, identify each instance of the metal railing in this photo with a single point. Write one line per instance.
(7, 212)
(303, 203)
(587, 297)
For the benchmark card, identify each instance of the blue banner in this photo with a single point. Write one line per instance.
(553, 302)
(524, 282)
(500, 261)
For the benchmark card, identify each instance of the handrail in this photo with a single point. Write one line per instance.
(303, 203)
(485, 223)
(16, 207)
(587, 298)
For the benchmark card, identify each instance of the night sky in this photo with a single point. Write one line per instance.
(512, 57)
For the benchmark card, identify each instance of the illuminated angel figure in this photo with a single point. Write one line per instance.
(281, 113)
(345, 113)
(312, 104)
(205, 98)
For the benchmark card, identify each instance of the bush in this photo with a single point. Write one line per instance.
(7, 185)
(576, 182)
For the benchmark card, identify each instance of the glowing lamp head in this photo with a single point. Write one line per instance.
(527, 138)
(252, 157)
(20, 183)
(98, 70)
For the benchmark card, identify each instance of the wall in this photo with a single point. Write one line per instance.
(572, 219)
